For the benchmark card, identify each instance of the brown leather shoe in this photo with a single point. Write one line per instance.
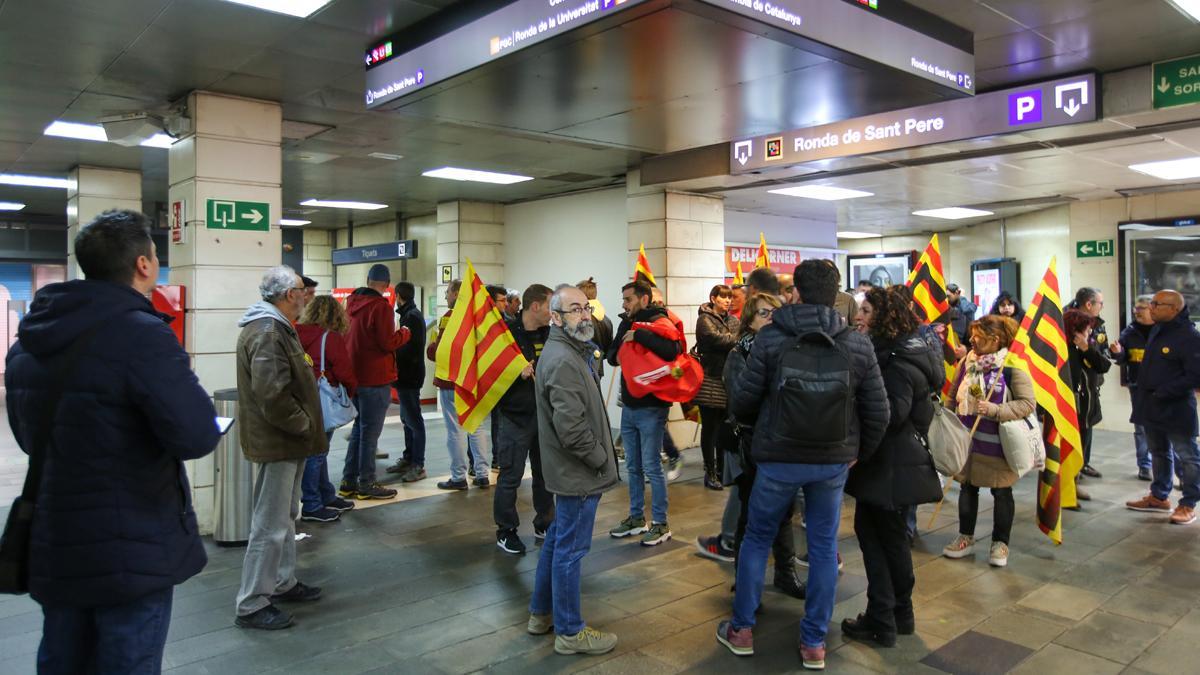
(1150, 504)
(1183, 515)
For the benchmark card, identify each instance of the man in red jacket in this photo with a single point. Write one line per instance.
(373, 340)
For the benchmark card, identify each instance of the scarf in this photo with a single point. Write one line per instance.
(981, 372)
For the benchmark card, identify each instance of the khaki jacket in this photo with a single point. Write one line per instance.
(279, 409)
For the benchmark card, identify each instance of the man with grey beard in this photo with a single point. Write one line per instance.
(578, 465)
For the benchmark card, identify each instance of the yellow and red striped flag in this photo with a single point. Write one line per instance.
(928, 286)
(1040, 349)
(643, 267)
(761, 260)
(737, 276)
(477, 352)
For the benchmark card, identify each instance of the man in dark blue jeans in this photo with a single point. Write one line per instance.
(113, 530)
(806, 436)
(410, 377)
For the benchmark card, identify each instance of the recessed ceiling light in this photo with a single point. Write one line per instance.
(1174, 169)
(338, 204)
(386, 155)
(300, 8)
(1189, 8)
(84, 132)
(826, 193)
(36, 181)
(857, 235)
(11, 206)
(158, 141)
(953, 213)
(451, 173)
(289, 222)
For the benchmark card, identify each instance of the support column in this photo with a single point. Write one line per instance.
(233, 154)
(318, 256)
(472, 230)
(684, 236)
(93, 191)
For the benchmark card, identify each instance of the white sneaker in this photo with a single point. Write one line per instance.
(961, 547)
(998, 554)
(674, 468)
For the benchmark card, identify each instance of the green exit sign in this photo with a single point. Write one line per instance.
(227, 214)
(1094, 248)
(1176, 82)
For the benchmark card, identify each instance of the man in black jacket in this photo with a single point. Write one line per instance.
(643, 420)
(789, 462)
(410, 377)
(517, 429)
(1133, 351)
(1091, 301)
(1166, 407)
(113, 528)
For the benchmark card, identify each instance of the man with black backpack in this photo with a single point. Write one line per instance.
(816, 388)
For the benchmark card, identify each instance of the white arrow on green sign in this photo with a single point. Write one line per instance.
(228, 214)
(1176, 82)
(1094, 248)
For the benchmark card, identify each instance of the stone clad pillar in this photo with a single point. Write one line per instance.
(472, 230)
(233, 154)
(93, 191)
(684, 236)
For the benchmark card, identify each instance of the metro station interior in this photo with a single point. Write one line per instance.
(547, 141)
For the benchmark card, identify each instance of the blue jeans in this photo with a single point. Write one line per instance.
(1143, 452)
(316, 489)
(372, 405)
(459, 442)
(414, 424)
(556, 583)
(1165, 448)
(125, 639)
(775, 489)
(642, 432)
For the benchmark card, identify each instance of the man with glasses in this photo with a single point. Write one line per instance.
(1166, 406)
(579, 464)
(1132, 352)
(1091, 301)
(279, 413)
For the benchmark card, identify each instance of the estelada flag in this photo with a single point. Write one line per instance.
(643, 267)
(677, 380)
(478, 353)
(1040, 349)
(928, 286)
(761, 260)
(737, 277)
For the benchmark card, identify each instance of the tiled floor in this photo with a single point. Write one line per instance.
(417, 586)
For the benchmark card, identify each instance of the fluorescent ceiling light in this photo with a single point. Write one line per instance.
(11, 206)
(1190, 8)
(300, 8)
(826, 193)
(857, 235)
(953, 213)
(1174, 169)
(36, 181)
(337, 204)
(386, 155)
(451, 173)
(84, 132)
(158, 141)
(288, 222)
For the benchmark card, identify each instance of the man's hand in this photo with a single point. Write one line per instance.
(628, 337)
(1115, 348)
(527, 372)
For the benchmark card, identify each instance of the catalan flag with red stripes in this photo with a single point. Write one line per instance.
(737, 277)
(1040, 349)
(928, 286)
(761, 260)
(643, 267)
(477, 352)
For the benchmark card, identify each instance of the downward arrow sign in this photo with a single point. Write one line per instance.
(254, 216)
(1073, 107)
(1163, 85)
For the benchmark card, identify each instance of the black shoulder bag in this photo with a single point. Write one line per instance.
(15, 542)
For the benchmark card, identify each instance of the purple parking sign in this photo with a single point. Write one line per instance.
(1025, 107)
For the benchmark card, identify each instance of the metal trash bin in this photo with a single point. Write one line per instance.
(233, 484)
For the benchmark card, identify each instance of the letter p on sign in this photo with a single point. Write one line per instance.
(1025, 107)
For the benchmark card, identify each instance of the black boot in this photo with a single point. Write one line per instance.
(789, 582)
(864, 629)
(711, 481)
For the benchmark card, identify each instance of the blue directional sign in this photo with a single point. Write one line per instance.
(393, 250)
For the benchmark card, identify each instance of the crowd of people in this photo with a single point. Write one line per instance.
(808, 392)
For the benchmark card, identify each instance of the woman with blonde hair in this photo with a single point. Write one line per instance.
(987, 394)
(324, 320)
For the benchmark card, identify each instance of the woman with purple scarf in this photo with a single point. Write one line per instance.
(986, 394)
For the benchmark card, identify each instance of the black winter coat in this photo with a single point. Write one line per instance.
(1133, 351)
(520, 402)
(1087, 374)
(1169, 377)
(900, 472)
(752, 393)
(114, 519)
(715, 337)
(410, 357)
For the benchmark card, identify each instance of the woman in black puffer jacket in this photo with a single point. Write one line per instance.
(716, 333)
(900, 473)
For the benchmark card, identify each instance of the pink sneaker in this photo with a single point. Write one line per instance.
(740, 642)
(813, 657)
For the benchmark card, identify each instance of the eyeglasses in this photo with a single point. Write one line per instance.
(1141, 308)
(1155, 303)
(586, 310)
(764, 313)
